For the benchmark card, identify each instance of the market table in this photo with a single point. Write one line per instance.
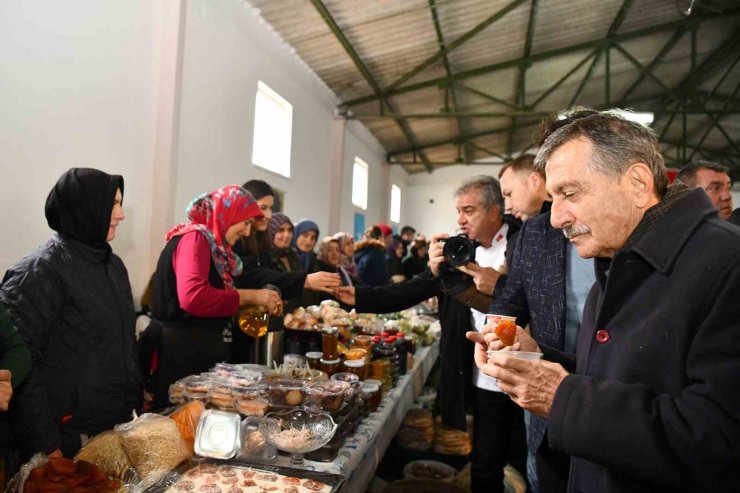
(358, 459)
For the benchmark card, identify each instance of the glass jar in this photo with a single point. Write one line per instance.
(329, 340)
(313, 358)
(355, 366)
(370, 396)
(330, 366)
(381, 370)
(386, 352)
(365, 342)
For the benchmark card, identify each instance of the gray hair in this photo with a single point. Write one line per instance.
(687, 174)
(490, 191)
(616, 143)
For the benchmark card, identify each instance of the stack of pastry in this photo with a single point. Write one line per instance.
(450, 441)
(417, 430)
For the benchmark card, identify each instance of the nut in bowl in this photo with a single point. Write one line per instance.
(298, 431)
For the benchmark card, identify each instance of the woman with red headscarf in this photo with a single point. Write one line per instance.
(194, 295)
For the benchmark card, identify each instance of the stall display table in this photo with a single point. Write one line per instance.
(358, 459)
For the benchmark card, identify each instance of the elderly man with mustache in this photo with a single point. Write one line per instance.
(650, 401)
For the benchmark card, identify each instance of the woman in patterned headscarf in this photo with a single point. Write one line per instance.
(194, 294)
(347, 248)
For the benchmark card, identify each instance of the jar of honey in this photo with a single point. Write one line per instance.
(356, 366)
(329, 340)
(370, 396)
(330, 366)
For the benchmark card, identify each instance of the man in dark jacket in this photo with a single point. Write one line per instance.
(651, 403)
(498, 435)
(71, 302)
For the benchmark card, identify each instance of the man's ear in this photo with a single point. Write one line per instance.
(641, 185)
(534, 180)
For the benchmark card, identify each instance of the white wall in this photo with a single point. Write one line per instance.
(227, 50)
(431, 197)
(76, 90)
(82, 85)
(439, 216)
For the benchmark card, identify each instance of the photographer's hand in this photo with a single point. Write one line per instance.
(436, 257)
(485, 278)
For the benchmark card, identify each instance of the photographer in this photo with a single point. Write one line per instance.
(499, 426)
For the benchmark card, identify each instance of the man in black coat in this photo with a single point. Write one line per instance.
(71, 302)
(498, 425)
(651, 403)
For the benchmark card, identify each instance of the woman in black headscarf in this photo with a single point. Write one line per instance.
(71, 302)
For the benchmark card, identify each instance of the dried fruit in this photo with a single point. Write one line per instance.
(506, 332)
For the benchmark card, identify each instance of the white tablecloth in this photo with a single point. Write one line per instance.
(358, 459)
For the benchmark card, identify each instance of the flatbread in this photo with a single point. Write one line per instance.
(212, 478)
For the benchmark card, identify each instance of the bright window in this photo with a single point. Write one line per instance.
(273, 126)
(359, 184)
(395, 204)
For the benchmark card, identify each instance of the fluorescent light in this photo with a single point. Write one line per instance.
(642, 117)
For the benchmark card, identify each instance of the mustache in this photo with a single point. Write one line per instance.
(576, 230)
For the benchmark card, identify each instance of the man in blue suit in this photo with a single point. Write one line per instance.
(547, 286)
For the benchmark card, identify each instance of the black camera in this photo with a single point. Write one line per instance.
(459, 250)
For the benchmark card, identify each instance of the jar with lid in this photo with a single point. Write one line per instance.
(387, 352)
(370, 397)
(356, 366)
(329, 340)
(365, 342)
(313, 358)
(330, 366)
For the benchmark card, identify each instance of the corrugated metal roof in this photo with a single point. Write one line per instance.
(392, 38)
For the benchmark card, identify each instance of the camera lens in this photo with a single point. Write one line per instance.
(459, 250)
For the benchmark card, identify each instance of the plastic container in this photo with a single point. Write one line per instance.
(251, 406)
(328, 395)
(196, 389)
(222, 400)
(287, 392)
(225, 369)
(254, 447)
(218, 434)
(354, 384)
(244, 379)
(177, 392)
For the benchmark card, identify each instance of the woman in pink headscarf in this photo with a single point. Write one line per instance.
(194, 295)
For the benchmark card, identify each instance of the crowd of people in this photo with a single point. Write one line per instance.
(625, 284)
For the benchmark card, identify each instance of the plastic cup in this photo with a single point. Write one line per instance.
(519, 354)
(493, 318)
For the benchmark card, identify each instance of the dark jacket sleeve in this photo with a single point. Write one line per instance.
(692, 438)
(290, 283)
(510, 298)
(15, 356)
(33, 296)
(396, 297)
